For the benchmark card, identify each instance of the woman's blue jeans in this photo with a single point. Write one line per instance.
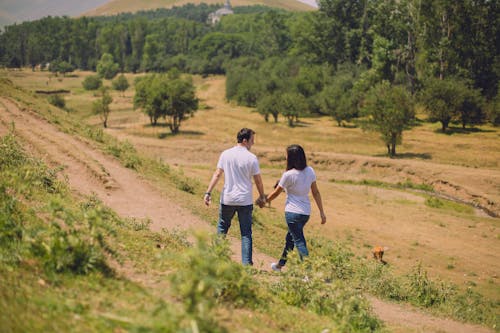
(295, 236)
(226, 214)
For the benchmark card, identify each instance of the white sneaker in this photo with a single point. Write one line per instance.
(276, 267)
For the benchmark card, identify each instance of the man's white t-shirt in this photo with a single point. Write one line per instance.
(239, 166)
(297, 184)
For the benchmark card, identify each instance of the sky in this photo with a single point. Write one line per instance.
(17, 11)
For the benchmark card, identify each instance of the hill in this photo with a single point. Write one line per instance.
(153, 265)
(123, 6)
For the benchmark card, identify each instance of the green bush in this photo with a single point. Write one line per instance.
(57, 100)
(309, 285)
(208, 276)
(92, 82)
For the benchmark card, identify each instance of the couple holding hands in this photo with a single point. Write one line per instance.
(239, 166)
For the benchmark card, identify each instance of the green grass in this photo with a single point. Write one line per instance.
(337, 277)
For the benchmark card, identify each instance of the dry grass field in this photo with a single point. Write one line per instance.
(366, 203)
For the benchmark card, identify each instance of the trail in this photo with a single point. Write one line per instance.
(90, 172)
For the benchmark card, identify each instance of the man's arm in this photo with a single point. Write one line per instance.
(215, 178)
(260, 187)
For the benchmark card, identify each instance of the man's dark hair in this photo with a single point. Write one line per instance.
(295, 158)
(245, 133)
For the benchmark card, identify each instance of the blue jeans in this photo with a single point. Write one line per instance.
(226, 214)
(295, 236)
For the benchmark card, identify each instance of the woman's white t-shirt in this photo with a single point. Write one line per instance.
(297, 184)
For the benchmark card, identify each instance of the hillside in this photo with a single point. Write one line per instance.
(123, 6)
(150, 266)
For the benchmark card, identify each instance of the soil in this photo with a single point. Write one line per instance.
(89, 171)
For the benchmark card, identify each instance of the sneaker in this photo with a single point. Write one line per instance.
(276, 267)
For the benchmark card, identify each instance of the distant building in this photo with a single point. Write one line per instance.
(217, 15)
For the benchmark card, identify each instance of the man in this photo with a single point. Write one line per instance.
(239, 166)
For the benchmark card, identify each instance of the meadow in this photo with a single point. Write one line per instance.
(429, 205)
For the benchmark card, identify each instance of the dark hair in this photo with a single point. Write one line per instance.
(295, 158)
(244, 133)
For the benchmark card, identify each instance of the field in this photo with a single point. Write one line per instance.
(436, 204)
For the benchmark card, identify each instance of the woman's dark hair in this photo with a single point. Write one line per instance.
(244, 133)
(295, 158)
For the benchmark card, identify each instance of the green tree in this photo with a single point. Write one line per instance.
(389, 110)
(101, 106)
(269, 105)
(444, 100)
(169, 96)
(337, 101)
(92, 82)
(120, 83)
(106, 67)
(291, 106)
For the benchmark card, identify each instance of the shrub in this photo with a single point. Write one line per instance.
(57, 100)
(209, 276)
(92, 82)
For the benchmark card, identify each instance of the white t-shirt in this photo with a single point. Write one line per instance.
(239, 166)
(297, 184)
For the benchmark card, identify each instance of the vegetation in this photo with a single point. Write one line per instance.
(390, 111)
(167, 96)
(349, 61)
(120, 83)
(92, 82)
(101, 106)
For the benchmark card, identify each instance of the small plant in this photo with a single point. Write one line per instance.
(434, 202)
(57, 100)
(209, 276)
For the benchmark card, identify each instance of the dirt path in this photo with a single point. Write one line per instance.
(91, 172)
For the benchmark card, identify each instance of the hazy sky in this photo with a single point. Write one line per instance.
(24, 10)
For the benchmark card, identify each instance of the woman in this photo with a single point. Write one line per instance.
(296, 181)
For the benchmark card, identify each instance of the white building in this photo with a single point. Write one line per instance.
(217, 15)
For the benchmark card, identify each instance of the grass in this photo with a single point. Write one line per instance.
(346, 203)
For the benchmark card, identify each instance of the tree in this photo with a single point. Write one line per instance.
(269, 105)
(182, 102)
(101, 106)
(92, 82)
(291, 105)
(120, 83)
(390, 111)
(166, 96)
(453, 100)
(106, 67)
(337, 101)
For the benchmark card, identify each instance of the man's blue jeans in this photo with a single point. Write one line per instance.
(226, 214)
(295, 236)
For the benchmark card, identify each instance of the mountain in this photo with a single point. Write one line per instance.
(17, 11)
(121, 6)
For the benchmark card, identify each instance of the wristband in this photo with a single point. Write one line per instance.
(208, 193)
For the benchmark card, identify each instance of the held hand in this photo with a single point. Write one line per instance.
(207, 198)
(261, 201)
(323, 219)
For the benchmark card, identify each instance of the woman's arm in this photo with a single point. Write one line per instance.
(274, 194)
(317, 198)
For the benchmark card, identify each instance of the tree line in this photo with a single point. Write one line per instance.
(351, 59)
